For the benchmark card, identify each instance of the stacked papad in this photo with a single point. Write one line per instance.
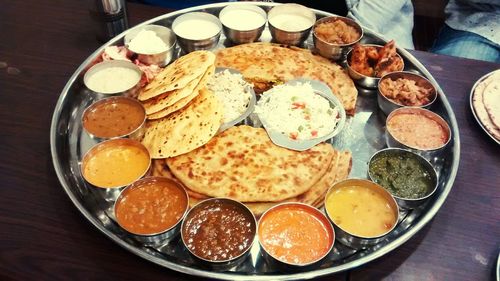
(243, 164)
(267, 64)
(183, 115)
(486, 103)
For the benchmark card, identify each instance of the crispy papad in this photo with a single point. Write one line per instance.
(166, 107)
(480, 108)
(267, 64)
(183, 130)
(178, 74)
(242, 163)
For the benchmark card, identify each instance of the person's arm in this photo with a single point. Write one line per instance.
(376, 14)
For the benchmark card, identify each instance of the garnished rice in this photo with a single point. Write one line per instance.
(297, 111)
(232, 91)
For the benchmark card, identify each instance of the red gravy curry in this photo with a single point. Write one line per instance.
(151, 206)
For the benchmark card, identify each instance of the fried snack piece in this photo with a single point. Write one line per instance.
(359, 60)
(373, 62)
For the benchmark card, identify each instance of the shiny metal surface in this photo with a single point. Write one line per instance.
(387, 105)
(190, 45)
(363, 136)
(362, 80)
(471, 97)
(406, 203)
(287, 37)
(243, 36)
(350, 239)
(331, 50)
(164, 33)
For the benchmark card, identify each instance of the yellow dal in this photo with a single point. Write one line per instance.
(116, 166)
(360, 211)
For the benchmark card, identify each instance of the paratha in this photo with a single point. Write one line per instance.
(267, 64)
(178, 74)
(480, 109)
(338, 170)
(183, 130)
(242, 163)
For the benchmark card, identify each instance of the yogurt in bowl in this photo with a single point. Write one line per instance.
(300, 114)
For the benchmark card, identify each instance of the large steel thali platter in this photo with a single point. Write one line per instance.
(363, 136)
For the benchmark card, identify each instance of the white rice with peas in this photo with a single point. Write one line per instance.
(297, 111)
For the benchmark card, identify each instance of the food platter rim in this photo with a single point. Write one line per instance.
(471, 97)
(234, 276)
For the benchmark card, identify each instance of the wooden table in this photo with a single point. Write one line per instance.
(44, 237)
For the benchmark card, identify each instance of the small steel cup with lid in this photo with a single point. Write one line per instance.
(409, 177)
(219, 232)
(333, 49)
(362, 212)
(151, 209)
(290, 24)
(421, 85)
(243, 23)
(197, 31)
(153, 44)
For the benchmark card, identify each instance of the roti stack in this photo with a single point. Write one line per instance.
(243, 164)
(486, 103)
(183, 115)
(267, 64)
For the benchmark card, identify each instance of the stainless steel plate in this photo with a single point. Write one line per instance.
(363, 135)
(471, 97)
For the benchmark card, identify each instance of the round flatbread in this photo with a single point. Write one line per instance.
(491, 98)
(178, 74)
(267, 64)
(242, 163)
(480, 109)
(183, 130)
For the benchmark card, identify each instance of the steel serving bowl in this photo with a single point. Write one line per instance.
(285, 35)
(363, 137)
(387, 105)
(407, 203)
(225, 264)
(354, 240)
(189, 45)
(164, 33)
(362, 80)
(130, 91)
(165, 235)
(241, 36)
(290, 266)
(335, 51)
(111, 101)
(427, 153)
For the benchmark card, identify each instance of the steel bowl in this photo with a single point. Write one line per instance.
(113, 143)
(284, 35)
(362, 80)
(429, 154)
(335, 51)
(406, 203)
(284, 265)
(130, 91)
(353, 240)
(116, 100)
(164, 33)
(241, 36)
(387, 105)
(206, 43)
(158, 237)
(220, 265)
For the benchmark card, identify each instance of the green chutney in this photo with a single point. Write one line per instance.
(402, 175)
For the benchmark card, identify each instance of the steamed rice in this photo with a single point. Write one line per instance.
(297, 111)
